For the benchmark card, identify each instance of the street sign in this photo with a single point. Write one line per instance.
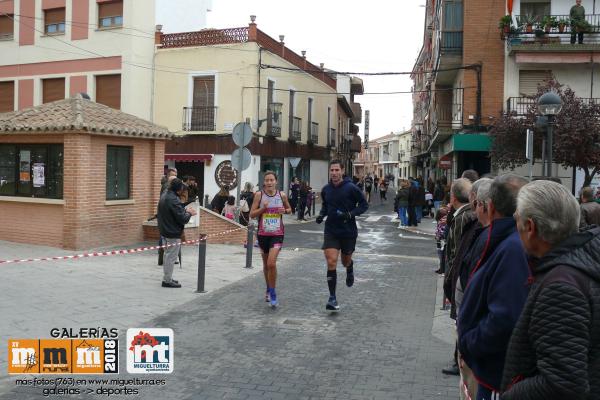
(445, 162)
(242, 134)
(294, 161)
(243, 154)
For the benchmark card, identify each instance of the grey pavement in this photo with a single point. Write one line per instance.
(389, 341)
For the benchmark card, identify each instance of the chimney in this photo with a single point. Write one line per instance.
(304, 56)
(158, 34)
(281, 37)
(252, 30)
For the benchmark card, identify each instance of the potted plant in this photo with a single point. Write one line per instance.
(562, 23)
(549, 22)
(527, 21)
(581, 25)
(505, 24)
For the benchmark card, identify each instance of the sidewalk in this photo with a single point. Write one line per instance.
(426, 227)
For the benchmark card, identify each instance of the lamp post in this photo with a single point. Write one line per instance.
(549, 104)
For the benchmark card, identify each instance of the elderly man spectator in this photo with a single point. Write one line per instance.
(462, 215)
(554, 352)
(496, 291)
(471, 175)
(590, 210)
(165, 181)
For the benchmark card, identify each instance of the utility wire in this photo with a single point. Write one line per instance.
(332, 72)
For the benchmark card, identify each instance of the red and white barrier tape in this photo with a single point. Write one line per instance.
(115, 252)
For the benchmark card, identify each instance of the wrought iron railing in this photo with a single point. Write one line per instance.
(520, 106)
(296, 133)
(539, 22)
(205, 37)
(199, 118)
(452, 41)
(314, 132)
(332, 137)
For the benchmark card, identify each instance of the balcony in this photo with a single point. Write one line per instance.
(534, 35)
(452, 42)
(332, 137)
(199, 119)
(520, 106)
(314, 133)
(296, 133)
(274, 118)
(357, 111)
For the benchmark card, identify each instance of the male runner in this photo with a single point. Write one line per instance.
(342, 201)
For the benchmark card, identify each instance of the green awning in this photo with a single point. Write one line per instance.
(471, 142)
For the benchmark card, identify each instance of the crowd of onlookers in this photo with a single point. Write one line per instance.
(521, 265)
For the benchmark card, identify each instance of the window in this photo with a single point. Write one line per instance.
(536, 9)
(7, 96)
(110, 15)
(118, 162)
(6, 27)
(31, 170)
(53, 89)
(108, 90)
(203, 104)
(530, 79)
(54, 21)
(291, 115)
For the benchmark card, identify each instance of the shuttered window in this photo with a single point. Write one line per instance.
(203, 104)
(7, 96)
(529, 81)
(108, 90)
(118, 162)
(53, 89)
(110, 14)
(54, 21)
(6, 27)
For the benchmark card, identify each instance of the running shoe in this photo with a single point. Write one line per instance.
(273, 299)
(332, 304)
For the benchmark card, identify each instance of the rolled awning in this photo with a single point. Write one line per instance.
(188, 157)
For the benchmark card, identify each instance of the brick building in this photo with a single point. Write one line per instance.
(77, 174)
(458, 86)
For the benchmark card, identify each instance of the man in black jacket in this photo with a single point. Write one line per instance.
(554, 351)
(172, 217)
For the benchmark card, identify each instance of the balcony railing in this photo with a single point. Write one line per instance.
(448, 117)
(332, 137)
(520, 106)
(206, 37)
(452, 41)
(314, 132)
(527, 29)
(199, 118)
(296, 134)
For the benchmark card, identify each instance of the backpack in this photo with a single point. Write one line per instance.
(244, 205)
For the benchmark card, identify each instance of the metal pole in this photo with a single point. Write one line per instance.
(206, 201)
(249, 245)
(201, 263)
(239, 171)
(314, 206)
(549, 143)
(544, 152)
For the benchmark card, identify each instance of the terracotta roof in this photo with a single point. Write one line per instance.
(79, 114)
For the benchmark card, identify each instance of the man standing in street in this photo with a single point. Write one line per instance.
(590, 210)
(577, 16)
(553, 352)
(342, 202)
(164, 181)
(172, 217)
(496, 291)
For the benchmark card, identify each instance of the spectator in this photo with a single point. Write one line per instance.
(590, 210)
(413, 192)
(430, 185)
(368, 186)
(172, 217)
(376, 183)
(553, 352)
(496, 291)
(471, 175)
(440, 237)
(218, 202)
(193, 191)
(383, 190)
(294, 191)
(229, 208)
(438, 194)
(246, 199)
(164, 181)
(401, 202)
(577, 16)
(302, 200)
(462, 216)
(309, 200)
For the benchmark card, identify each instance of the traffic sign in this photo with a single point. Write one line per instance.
(245, 158)
(242, 134)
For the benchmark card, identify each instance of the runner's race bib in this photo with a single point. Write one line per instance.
(271, 222)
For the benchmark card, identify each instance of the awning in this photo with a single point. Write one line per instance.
(188, 157)
(471, 142)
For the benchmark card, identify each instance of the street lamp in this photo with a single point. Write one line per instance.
(549, 105)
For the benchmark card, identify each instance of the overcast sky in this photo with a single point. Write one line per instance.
(346, 35)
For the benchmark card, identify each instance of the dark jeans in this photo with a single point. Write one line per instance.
(300, 208)
(412, 216)
(579, 37)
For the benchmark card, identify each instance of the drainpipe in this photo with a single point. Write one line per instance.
(258, 86)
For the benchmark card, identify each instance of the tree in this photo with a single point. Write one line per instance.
(576, 141)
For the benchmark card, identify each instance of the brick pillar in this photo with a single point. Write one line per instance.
(77, 159)
(158, 161)
(252, 32)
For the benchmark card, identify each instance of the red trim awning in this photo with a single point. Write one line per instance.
(188, 157)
